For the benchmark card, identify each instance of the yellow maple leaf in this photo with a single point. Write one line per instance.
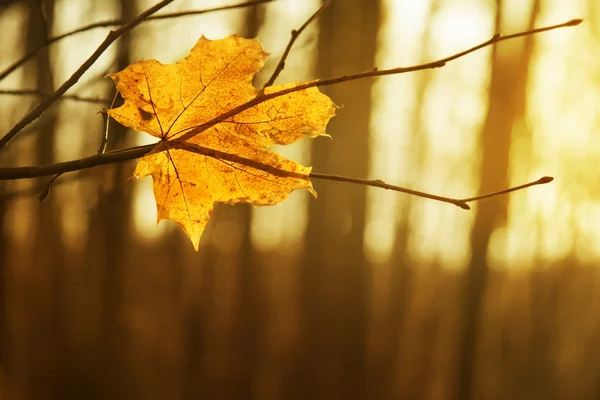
(202, 157)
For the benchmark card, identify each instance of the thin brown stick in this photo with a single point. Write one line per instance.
(136, 152)
(294, 36)
(110, 157)
(543, 180)
(104, 142)
(47, 102)
(381, 184)
(37, 189)
(74, 97)
(462, 203)
(190, 13)
(105, 24)
(262, 97)
(46, 192)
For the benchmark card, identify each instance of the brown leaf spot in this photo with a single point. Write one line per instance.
(146, 116)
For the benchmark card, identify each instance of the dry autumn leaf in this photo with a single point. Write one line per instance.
(202, 157)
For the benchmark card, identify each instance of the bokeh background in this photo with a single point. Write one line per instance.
(363, 293)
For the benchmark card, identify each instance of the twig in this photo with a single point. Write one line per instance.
(294, 36)
(104, 142)
(46, 103)
(543, 180)
(206, 10)
(11, 173)
(105, 24)
(381, 184)
(63, 97)
(262, 97)
(462, 203)
(36, 190)
(46, 192)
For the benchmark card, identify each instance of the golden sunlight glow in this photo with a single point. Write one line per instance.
(426, 126)
(392, 139)
(19, 223)
(558, 138)
(424, 132)
(144, 213)
(282, 227)
(80, 124)
(454, 107)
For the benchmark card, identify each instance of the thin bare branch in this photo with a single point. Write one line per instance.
(47, 102)
(136, 152)
(381, 184)
(294, 36)
(543, 180)
(190, 13)
(104, 142)
(11, 173)
(106, 24)
(46, 192)
(462, 203)
(74, 97)
(37, 189)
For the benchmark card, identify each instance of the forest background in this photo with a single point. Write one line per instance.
(361, 293)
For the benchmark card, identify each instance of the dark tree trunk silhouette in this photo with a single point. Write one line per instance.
(543, 293)
(250, 305)
(248, 321)
(332, 359)
(109, 226)
(6, 374)
(47, 336)
(402, 272)
(506, 105)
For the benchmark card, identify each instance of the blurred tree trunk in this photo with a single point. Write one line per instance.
(251, 307)
(50, 362)
(402, 273)
(506, 106)
(332, 352)
(6, 374)
(544, 302)
(107, 247)
(240, 358)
